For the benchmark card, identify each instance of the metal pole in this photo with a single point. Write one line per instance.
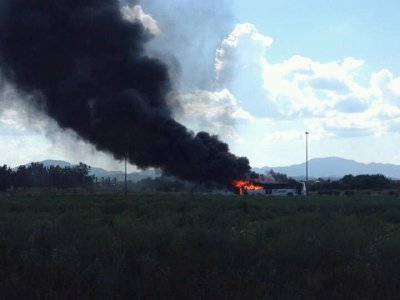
(306, 162)
(125, 178)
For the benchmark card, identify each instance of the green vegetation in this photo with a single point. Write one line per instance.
(37, 175)
(350, 183)
(192, 246)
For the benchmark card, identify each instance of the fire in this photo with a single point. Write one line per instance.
(246, 185)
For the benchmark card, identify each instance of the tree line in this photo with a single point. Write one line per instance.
(351, 182)
(38, 175)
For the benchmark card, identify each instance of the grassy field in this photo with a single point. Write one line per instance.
(183, 246)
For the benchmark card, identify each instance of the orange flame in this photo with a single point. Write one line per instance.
(246, 185)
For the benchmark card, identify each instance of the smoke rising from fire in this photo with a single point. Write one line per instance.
(86, 66)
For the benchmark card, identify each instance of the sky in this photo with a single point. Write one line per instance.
(259, 74)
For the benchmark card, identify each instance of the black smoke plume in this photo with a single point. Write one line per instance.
(87, 68)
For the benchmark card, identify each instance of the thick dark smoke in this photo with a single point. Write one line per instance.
(88, 70)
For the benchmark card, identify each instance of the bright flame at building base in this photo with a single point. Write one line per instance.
(246, 185)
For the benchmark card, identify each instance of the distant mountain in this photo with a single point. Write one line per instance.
(99, 172)
(134, 176)
(334, 167)
(51, 162)
(328, 167)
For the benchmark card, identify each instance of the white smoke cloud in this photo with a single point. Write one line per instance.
(135, 13)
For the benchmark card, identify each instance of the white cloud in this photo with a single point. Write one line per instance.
(385, 87)
(301, 84)
(351, 105)
(325, 93)
(324, 97)
(16, 151)
(394, 126)
(286, 135)
(349, 132)
(9, 121)
(244, 38)
(234, 98)
(329, 84)
(239, 68)
(296, 88)
(135, 13)
(385, 111)
(213, 111)
(341, 126)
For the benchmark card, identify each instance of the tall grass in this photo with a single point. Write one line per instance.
(183, 246)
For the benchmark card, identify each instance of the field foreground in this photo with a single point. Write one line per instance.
(181, 246)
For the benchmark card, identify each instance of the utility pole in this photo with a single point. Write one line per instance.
(126, 191)
(306, 161)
